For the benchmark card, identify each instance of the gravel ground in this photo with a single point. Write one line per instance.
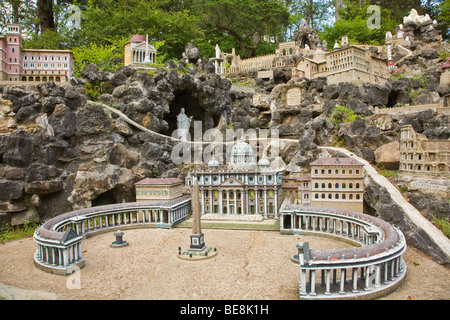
(252, 265)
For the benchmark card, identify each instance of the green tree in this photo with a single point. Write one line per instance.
(105, 20)
(241, 23)
(353, 23)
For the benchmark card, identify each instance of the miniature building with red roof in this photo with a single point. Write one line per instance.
(138, 52)
(445, 75)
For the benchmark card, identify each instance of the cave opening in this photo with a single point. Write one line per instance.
(104, 199)
(185, 99)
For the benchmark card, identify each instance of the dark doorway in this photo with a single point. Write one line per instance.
(104, 199)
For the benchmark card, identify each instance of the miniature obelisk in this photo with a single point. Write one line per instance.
(197, 238)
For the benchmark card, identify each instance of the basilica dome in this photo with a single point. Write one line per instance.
(242, 155)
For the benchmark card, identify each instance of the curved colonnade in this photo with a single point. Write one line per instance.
(372, 269)
(59, 239)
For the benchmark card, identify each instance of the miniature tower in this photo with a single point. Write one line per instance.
(197, 237)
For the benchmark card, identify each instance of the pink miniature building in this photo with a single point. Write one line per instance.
(32, 65)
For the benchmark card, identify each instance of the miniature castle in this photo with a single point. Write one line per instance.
(32, 65)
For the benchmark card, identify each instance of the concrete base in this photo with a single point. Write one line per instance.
(119, 245)
(197, 255)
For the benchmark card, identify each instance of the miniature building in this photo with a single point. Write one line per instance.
(32, 65)
(337, 183)
(139, 53)
(158, 189)
(297, 188)
(419, 155)
(346, 63)
(334, 183)
(356, 64)
(167, 204)
(244, 187)
(445, 75)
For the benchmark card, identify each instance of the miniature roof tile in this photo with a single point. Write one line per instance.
(137, 38)
(158, 182)
(336, 162)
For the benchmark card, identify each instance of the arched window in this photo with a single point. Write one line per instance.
(357, 197)
(351, 186)
(330, 196)
(316, 196)
(357, 186)
(323, 185)
(336, 185)
(344, 186)
(344, 197)
(350, 196)
(316, 185)
(330, 186)
(336, 196)
(323, 195)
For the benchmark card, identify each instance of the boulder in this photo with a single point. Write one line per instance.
(11, 190)
(121, 157)
(43, 187)
(388, 156)
(5, 220)
(92, 120)
(191, 53)
(63, 121)
(18, 150)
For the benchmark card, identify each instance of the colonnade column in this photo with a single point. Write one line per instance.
(265, 203)
(220, 202)
(256, 202)
(275, 192)
(228, 201)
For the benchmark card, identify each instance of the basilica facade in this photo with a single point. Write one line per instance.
(243, 187)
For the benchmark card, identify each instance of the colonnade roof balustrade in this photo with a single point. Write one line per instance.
(49, 230)
(391, 237)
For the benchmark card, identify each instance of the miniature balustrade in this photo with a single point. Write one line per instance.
(59, 239)
(376, 266)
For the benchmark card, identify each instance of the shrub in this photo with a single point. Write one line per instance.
(106, 57)
(342, 114)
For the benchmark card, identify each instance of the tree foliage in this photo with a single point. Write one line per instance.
(353, 23)
(243, 23)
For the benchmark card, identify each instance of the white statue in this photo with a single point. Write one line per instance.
(184, 123)
(218, 52)
(306, 46)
